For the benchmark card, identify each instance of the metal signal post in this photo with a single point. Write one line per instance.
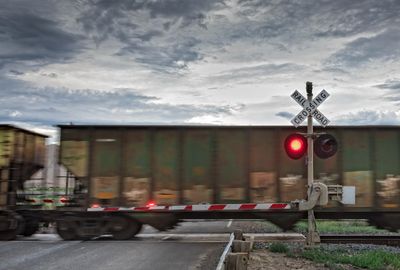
(312, 236)
(297, 144)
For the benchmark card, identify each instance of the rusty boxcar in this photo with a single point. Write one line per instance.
(125, 166)
(126, 176)
(22, 153)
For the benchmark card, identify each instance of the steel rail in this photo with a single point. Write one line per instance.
(389, 240)
(225, 253)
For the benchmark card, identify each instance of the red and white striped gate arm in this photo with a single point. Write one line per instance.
(198, 207)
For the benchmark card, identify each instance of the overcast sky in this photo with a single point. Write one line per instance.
(196, 61)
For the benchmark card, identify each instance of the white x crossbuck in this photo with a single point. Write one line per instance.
(310, 108)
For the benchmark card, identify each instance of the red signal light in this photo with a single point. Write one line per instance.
(150, 204)
(295, 146)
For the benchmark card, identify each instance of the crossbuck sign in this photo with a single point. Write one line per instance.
(310, 108)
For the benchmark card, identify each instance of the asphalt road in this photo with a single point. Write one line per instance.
(150, 250)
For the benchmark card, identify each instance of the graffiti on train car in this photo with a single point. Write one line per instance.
(136, 191)
(292, 187)
(263, 187)
(389, 191)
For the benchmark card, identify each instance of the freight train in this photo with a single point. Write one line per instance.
(126, 176)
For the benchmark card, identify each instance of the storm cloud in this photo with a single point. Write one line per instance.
(364, 51)
(208, 61)
(35, 40)
(48, 107)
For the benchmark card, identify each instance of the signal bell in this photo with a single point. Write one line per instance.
(325, 146)
(295, 145)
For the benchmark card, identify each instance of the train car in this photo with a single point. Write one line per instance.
(22, 153)
(125, 174)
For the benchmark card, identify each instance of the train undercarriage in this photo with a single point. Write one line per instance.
(78, 225)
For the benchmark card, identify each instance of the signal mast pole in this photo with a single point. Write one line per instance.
(312, 236)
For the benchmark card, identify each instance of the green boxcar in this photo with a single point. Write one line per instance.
(134, 165)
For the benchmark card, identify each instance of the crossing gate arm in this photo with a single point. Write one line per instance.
(319, 194)
(198, 208)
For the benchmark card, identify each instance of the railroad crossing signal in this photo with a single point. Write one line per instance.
(325, 146)
(295, 145)
(322, 144)
(310, 108)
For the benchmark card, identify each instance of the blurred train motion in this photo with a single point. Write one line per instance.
(109, 170)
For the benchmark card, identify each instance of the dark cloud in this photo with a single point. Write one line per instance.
(321, 19)
(104, 18)
(368, 117)
(362, 51)
(50, 75)
(124, 20)
(31, 38)
(345, 18)
(188, 11)
(16, 72)
(286, 115)
(164, 58)
(391, 91)
(333, 70)
(390, 84)
(52, 106)
(259, 71)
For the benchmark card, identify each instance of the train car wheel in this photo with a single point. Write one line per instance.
(16, 223)
(31, 227)
(124, 228)
(8, 235)
(387, 221)
(66, 230)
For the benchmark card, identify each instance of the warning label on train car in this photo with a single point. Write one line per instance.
(166, 196)
(105, 187)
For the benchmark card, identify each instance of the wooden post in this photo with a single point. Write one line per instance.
(238, 235)
(237, 261)
(241, 246)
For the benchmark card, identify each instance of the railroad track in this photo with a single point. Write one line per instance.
(389, 240)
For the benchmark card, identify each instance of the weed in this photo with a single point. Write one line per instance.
(375, 260)
(348, 226)
(278, 248)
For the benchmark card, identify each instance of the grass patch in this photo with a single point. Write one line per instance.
(278, 248)
(376, 259)
(351, 226)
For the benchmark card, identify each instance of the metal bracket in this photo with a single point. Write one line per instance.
(321, 194)
(313, 135)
